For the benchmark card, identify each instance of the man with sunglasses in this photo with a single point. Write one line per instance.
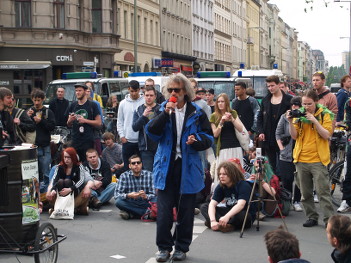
(134, 190)
(182, 129)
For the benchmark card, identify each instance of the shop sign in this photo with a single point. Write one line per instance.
(187, 68)
(11, 66)
(167, 62)
(156, 63)
(64, 58)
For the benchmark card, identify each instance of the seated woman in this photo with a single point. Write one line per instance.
(262, 170)
(339, 236)
(226, 211)
(69, 177)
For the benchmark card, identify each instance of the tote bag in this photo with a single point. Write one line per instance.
(243, 138)
(64, 207)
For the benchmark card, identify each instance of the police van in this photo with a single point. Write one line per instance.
(141, 77)
(103, 86)
(258, 79)
(219, 81)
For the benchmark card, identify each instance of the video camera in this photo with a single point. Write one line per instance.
(297, 114)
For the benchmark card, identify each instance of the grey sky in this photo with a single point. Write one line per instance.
(321, 28)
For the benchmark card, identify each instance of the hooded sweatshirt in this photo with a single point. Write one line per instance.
(126, 111)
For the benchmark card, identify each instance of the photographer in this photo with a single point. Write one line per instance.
(312, 155)
(286, 146)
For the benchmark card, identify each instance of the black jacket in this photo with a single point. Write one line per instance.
(8, 127)
(265, 118)
(44, 127)
(59, 108)
(341, 258)
(26, 123)
(103, 170)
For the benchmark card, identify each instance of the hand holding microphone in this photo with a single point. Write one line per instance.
(171, 104)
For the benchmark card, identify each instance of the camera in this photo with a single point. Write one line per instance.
(297, 114)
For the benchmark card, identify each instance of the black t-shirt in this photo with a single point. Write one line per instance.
(241, 190)
(274, 123)
(245, 113)
(228, 137)
(83, 133)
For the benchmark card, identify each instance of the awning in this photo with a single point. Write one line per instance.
(11, 65)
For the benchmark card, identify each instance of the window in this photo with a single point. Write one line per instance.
(96, 12)
(152, 41)
(125, 17)
(132, 25)
(23, 13)
(139, 29)
(145, 30)
(59, 13)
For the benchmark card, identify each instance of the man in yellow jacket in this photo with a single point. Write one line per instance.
(312, 155)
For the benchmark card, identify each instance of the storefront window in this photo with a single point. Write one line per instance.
(97, 16)
(59, 13)
(23, 13)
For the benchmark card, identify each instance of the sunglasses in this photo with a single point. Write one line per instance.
(170, 90)
(134, 163)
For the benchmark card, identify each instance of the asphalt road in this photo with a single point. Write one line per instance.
(104, 237)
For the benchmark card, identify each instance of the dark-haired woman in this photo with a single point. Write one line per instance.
(69, 178)
(226, 211)
(339, 236)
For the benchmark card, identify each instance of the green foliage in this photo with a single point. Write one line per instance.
(335, 74)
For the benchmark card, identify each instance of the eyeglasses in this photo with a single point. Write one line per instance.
(134, 163)
(170, 90)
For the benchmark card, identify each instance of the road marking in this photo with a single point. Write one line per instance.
(102, 211)
(117, 256)
(151, 260)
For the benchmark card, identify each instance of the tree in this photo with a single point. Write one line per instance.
(335, 74)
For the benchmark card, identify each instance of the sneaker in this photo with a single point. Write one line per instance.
(95, 203)
(196, 211)
(315, 198)
(125, 215)
(83, 211)
(162, 256)
(178, 256)
(344, 207)
(297, 207)
(310, 223)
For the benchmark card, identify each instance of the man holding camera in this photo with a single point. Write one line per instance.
(312, 155)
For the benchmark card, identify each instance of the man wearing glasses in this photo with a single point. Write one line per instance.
(182, 130)
(134, 190)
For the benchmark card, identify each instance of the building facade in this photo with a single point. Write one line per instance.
(176, 37)
(147, 30)
(40, 40)
(254, 33)
(203, 35)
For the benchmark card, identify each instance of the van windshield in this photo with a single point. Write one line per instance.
(69, 91)
(260, 87)
(219, 87)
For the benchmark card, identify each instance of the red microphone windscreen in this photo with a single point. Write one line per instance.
(173, 99)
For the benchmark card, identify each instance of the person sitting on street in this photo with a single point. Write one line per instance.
(69, 177)
(263, 173)
(339, 236)
(113, 154)
(226, 211)
(282, 247)
(134, 190)
(102, 188)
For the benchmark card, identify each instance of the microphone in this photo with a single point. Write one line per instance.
(172, 99)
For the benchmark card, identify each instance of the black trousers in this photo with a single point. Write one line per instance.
(237, 220)
(346, 185)
(185, 204)
(287, 170)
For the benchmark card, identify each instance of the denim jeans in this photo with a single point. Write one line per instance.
(44, 161)
(128, 149)
(136, 207)
(106, 194)
(147, 157)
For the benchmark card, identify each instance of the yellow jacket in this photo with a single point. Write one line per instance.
(303, 128)
(98, 99)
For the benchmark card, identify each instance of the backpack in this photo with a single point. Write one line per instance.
(25, 136)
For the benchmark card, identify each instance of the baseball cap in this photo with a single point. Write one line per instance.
(134, 84)
(81, 85)
(200, 90)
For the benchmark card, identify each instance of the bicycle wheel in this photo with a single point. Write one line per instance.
(45, 237)
(335, 183)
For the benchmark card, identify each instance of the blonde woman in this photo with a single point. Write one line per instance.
(224, 121)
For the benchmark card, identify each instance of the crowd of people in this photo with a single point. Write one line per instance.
(156, 147)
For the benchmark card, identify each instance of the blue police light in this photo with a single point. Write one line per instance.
(145, 74)
(275, 66)
(240, 73)
(242, 65)
(116, 73)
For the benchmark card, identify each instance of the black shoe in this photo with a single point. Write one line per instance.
(310, 223)
(178, 255)
(162, 256)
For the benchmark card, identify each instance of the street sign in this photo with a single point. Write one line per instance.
(88, 63)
